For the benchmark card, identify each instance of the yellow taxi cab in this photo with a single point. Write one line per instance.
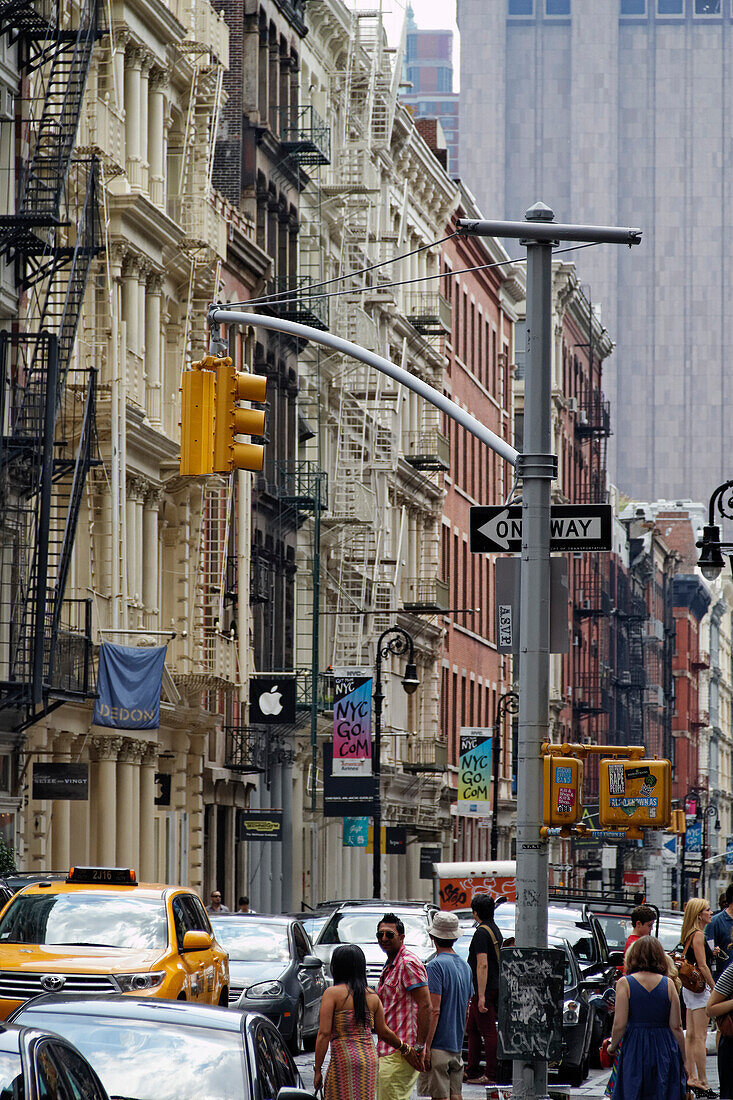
(100, 931)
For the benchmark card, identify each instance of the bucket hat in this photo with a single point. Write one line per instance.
(445, 926)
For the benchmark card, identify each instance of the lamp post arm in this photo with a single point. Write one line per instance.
(716, 501)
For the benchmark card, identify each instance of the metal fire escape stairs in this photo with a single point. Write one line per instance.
(48, 406)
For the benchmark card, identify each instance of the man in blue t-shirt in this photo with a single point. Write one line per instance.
(719, 934)
(451, 985)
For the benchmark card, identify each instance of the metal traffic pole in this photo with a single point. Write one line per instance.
(537, 467)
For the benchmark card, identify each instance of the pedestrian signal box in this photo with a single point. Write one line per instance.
(634, 793)
(563, 786)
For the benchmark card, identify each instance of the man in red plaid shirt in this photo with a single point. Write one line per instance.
(403, 990)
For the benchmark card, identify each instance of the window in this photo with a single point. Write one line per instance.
(633, 7)
(521, 7)
(707, 7)
(670, 7)
(557, 7)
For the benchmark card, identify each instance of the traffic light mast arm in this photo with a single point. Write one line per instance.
(217, 316)
(630, 752)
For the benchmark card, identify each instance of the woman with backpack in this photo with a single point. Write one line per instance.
(696, 951)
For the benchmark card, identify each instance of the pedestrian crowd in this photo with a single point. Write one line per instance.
(419, 1012)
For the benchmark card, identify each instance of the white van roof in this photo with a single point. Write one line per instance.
(504, 868)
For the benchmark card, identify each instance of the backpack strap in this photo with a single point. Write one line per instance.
(493, 940)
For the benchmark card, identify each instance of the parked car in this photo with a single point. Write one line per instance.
(313, 922)
(356, 922)
(582, 930)
(167, 1050)
(38, 1066)
(273, 970)
(580, 1009)
(670, 928)
(100, 931)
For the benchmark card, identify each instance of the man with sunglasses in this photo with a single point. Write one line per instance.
(403, 991)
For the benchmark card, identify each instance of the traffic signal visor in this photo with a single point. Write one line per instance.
(634, 793)
(233, 386)
(563, 786)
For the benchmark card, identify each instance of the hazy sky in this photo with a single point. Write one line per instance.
(429, 14)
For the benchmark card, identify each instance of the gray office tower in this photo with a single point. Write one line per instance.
(621, 112)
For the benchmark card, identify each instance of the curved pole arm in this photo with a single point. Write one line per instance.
(217, 315)
(716, 500)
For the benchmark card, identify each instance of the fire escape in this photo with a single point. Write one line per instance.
(47, 405)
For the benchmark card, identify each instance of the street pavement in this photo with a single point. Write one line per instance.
(593, 1089)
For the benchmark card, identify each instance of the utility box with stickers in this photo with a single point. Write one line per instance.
(563, 786)
(634, 794)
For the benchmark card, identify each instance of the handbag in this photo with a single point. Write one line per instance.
(689, 973)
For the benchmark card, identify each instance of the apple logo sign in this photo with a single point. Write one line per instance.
(271, 701)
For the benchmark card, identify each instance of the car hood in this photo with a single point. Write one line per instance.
(244, 974)
(71, 959)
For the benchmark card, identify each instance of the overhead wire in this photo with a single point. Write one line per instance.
(307, 296)
(275, 298)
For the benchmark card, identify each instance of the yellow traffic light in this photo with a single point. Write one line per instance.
(563, 789)
(197, 421)
(233, 386)
(634, 793)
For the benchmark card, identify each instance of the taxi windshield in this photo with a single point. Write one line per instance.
(207, 1063)
(94, 919)
(253, 942)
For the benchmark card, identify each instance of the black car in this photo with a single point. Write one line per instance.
(273, 970)
(152, 1049)
(37, 1066)
(580, 1009)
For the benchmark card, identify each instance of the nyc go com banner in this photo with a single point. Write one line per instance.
(474, 771)
(352, 722)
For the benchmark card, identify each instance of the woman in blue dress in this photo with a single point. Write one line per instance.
(647, 1028)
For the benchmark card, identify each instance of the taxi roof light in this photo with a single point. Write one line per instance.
(102, 876)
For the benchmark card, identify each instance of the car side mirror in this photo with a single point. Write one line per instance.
(616, 958)
(196, 941)
(312, 962)
(290, 1093)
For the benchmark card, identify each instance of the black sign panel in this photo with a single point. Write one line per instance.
(346, 795)
(531, 1002)
(429, 856)
(395, 840)
(272, 700)
(496, 530)
(69, 782)
(163, 789)
(261, 825)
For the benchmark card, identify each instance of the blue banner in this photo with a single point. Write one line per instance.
(129, 685)
(729, 852)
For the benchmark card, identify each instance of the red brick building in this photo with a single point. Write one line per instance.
(480, 355)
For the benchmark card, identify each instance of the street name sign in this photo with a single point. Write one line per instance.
(496, 530)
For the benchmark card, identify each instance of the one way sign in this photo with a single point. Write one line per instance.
(572, 527)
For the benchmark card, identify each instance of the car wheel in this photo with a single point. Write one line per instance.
(575, 1075)
(295, 1042)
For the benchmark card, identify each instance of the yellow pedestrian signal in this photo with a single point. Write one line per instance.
(563, 790)
(634, 793)
(197, 421)
(230, 421)
(211, 418)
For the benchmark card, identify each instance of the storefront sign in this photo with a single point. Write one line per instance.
(429, 856)
(68, 782)
(272, 700)
(163, 789)
(474, 772)
(356, 832)
(396, 840)
(352, 722)
(261, 825)
(129, 682)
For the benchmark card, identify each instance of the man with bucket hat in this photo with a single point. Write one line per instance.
(451, 986)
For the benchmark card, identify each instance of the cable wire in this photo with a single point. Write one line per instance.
(398, 282)
(265, 298)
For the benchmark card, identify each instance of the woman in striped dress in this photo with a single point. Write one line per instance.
(349, 1013)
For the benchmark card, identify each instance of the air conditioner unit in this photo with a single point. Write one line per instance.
(7, 106)
(582, 417)
(572, 404)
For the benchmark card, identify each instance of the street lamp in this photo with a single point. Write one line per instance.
(508, 703)
(396, 641)
(711, 560)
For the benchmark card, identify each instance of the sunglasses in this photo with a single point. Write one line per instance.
(385, 935)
